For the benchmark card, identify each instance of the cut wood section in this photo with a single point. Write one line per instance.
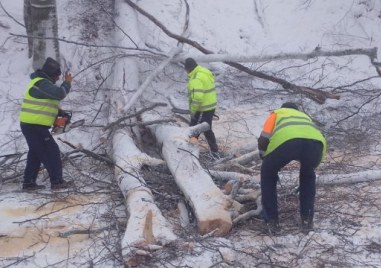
(210, 205)
(148, 231)
(146, 225)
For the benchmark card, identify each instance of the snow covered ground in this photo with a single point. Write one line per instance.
(83, 227)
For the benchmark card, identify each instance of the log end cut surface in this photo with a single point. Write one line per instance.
(220, 227)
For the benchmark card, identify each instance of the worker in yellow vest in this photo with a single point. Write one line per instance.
(289, 134)
(202, 98)
(39, 109)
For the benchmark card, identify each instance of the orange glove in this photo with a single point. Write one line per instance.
(68, 77)
(193, 140)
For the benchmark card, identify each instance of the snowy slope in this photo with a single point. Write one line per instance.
(347, 233)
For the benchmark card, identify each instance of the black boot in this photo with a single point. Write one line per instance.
(62, 184)
(32, 186)
(273, 227)
(307, 224)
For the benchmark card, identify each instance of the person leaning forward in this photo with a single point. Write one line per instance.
(289, 134)
(202, 98)
(39, 109)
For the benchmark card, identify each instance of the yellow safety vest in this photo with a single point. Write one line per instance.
(201, 92)
(38, 111)
(292, 124)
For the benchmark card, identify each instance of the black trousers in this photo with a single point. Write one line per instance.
(308, 153)
(42, 149)
(206, 116)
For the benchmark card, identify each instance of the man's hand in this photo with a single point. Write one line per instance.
(68, 78)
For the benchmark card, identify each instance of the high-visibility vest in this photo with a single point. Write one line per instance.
(292, 124)
(38, 111)
(201, 92)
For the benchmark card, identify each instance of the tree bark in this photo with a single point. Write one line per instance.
(41, 20)
(370, 52)
(362, 176)
(210, 205)
(29, 26)
(146, 225)
(146, 229)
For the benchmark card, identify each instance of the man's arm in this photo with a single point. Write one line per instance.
(45, 89)
(264, 138)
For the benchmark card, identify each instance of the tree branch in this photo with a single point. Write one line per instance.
(153, 106)
(317, 95)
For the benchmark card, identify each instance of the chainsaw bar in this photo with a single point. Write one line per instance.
(77, 123)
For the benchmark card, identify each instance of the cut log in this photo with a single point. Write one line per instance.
(362, 176)
(146, 228)
(237, 163)
(251, 213)
(246, 158)
(146, 224)
(228, 175)
(183, 212)
(210, 205)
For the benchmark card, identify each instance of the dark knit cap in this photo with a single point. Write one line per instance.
(190, 64)
(290, 105)
(51, 68)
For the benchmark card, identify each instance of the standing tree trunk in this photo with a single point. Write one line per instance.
(28, 26)
(42, 29)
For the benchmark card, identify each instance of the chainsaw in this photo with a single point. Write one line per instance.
(63, 123)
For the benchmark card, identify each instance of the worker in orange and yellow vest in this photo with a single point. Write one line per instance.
(289, 134)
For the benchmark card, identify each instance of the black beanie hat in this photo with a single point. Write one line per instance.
(51, 68)
(290, 105)
(190, 64)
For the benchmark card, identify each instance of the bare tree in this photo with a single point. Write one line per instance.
(41, 21)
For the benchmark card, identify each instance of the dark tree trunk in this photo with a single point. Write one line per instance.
(28, 26)
(42, 28)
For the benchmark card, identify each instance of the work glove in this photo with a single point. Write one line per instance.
(68, 78)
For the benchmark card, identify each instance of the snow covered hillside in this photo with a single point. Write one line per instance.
(320, 54)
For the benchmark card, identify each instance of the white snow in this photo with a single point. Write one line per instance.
(348, 219)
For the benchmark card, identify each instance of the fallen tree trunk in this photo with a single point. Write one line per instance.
(239, 162)
(210, 205)
(146, 225)
(228, 175)
(370, 52)
(363, 176)
(146, 229)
